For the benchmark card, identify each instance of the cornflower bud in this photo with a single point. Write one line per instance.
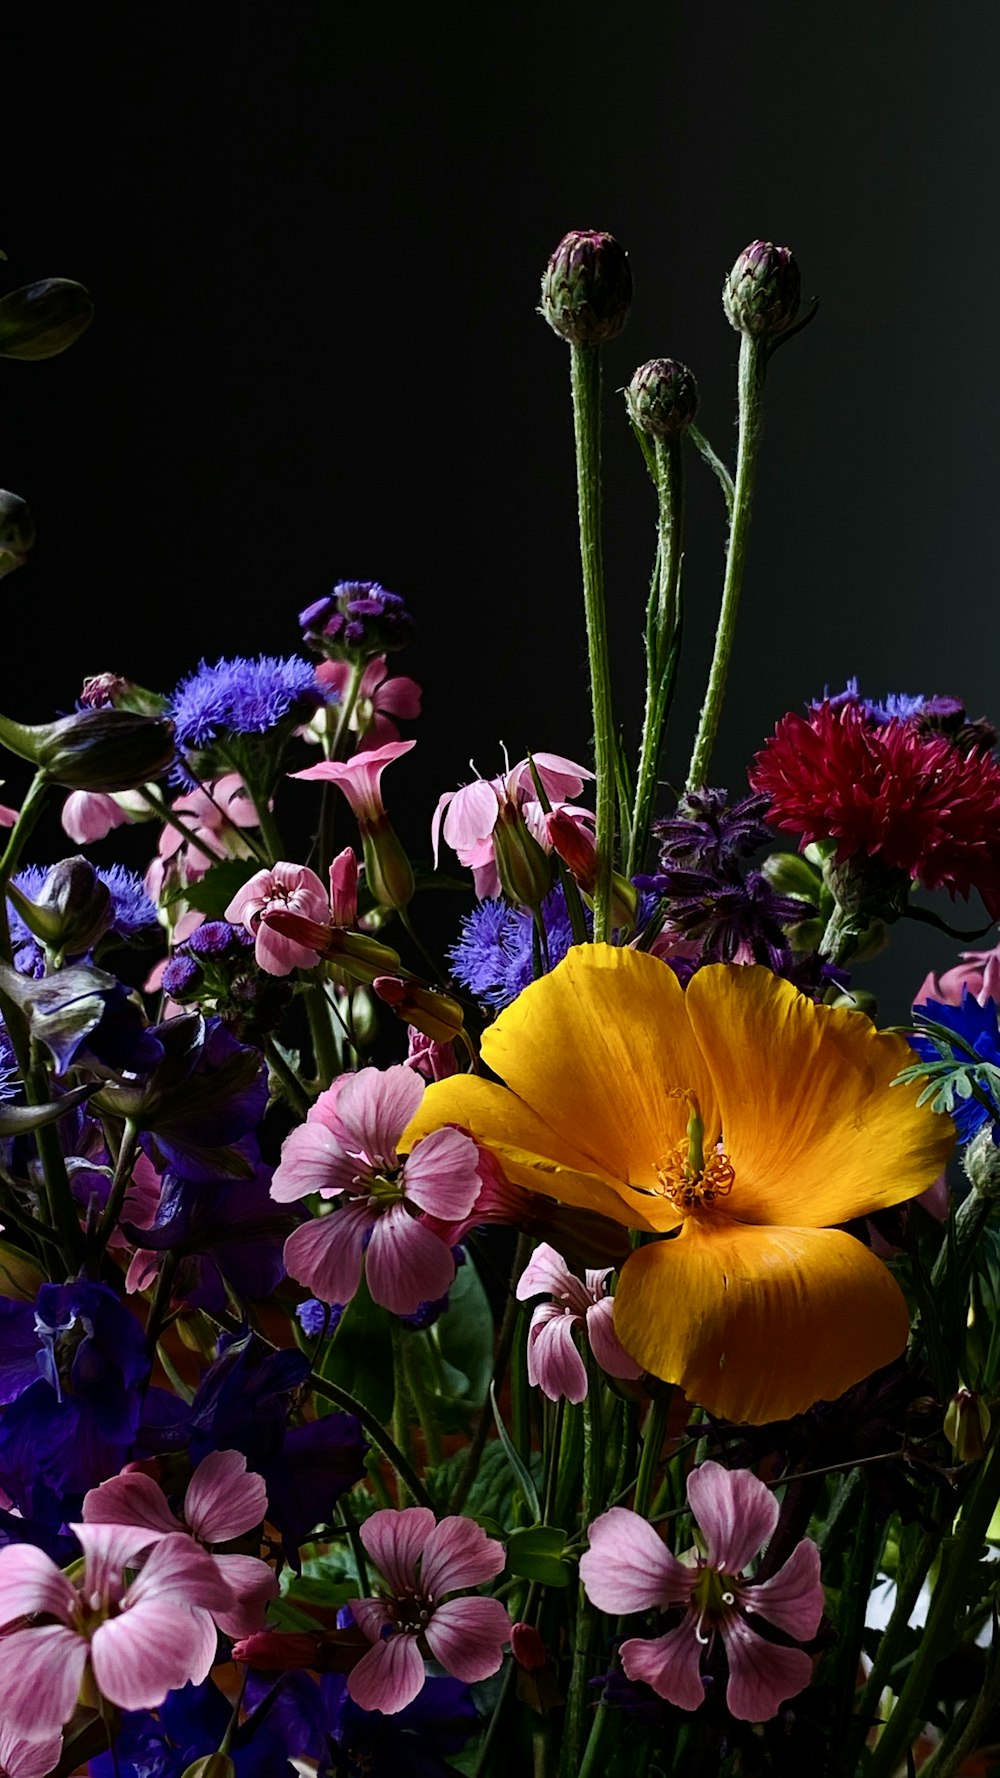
(524, 868)
(17, 531)
(967, 1425)
(587, 288)
(105, 750)
(662, 398)
(42, 319)
(211, 1765)
(762, 292)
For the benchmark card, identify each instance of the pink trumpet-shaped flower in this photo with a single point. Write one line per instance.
(554, 1364)
(223, 1501)
(360, 778)
(140, 1638)
(466, 818)
(347, 1149)
(627, 1568)
(291, 886)
(422, 1563)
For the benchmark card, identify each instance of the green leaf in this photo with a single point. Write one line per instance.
(214, 891)
(524, 1479)
(455, 1356)
(358, 1358)
(536, 1553)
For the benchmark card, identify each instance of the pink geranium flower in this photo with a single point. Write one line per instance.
(422, 1563)
(627, 1568)
(979, 971)
(139, 1638)
(465, 818)
(291, 886)
(223, 1501)
(554, 1364)
(381, 698)
(346, 1149)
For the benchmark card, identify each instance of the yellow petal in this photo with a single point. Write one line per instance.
(814, 1130)
(599, 1048)
(531, 1154)
(756, 1324)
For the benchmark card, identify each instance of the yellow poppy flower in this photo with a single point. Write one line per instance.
(733, 1123)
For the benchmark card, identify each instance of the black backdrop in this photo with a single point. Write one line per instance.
(314, 236)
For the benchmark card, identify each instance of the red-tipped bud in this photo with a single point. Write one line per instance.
(344, 887)
(527, 1647)
(436, 1015)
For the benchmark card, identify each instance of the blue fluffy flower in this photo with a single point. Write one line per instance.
(241, 697)
(494, 957)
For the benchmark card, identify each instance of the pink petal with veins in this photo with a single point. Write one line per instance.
(457, 1553)
(671, 1664)
(554, 1364)
(793, 1598)
(325, 1254)
(375, 1106)
(131, 1499)
(253, 1585)
(628, 1567)
(737, 1514)
(405, 1264)
(151, 1650)
(467, 1637)
(42, 1671)
(30, 1582)
(223, 1499)
(441, 1175)
(394, 1540)
(389, 1676)
(605, 1344)
(761, 1674)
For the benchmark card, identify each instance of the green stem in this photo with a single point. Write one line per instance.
(296, 1094)
(376, 1432)
(652, 1443)
(957, 1565)
(715, 464)
(119, 1184)
(419, 1396)
(662, 627)
(505, 1341)
(326, 1050)
(576, 1698)
(752, 367)
(585, 375)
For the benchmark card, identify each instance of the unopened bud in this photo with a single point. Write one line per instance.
(587, 288)
(388, 871)
(574, 844)
(42, 319)
(17, 531)
(437, 1015)
(967, 1425)
(73, 908)
(527, 1647)
(105, 749)
(762, 292)
(662, 398)
(981, 1162)
(344, 887)
(211, 1765)
(523, 866)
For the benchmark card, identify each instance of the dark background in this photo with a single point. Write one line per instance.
(314, 237)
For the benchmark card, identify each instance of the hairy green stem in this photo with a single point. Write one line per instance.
(662, 638)
(752, 366)
(585, 376)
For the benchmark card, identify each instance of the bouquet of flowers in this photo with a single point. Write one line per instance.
(577, 1353)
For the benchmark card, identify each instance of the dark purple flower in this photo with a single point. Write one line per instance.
(707, 831)
(228, 1236)
(318, 1462)
(188, 1725)
(244, 1400)
(73, 1369)
(358, 620)
(320, 1722)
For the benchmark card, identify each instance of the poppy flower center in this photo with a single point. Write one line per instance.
(689, 1177)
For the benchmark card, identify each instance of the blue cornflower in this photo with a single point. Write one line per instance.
(964, 1068)
(494, 957)
(242, 697)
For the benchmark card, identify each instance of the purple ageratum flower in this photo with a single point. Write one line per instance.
(554, 1364)
(346, 1149)
(494, 957)
(356, 621)
(628, 1569)
(72, 1370)
(242, 697)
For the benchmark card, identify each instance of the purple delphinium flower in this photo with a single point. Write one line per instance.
(227, 1235)
(320, 1722)
(316, 1318)
(190, 1724)
(241, 697)
(72, 1372)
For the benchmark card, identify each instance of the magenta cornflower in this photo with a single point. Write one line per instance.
(422, 1563)
(555, 1365)
(915, 801)
(347, 1149)
(628, 1569)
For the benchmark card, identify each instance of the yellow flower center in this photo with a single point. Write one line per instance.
(689, 1177)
